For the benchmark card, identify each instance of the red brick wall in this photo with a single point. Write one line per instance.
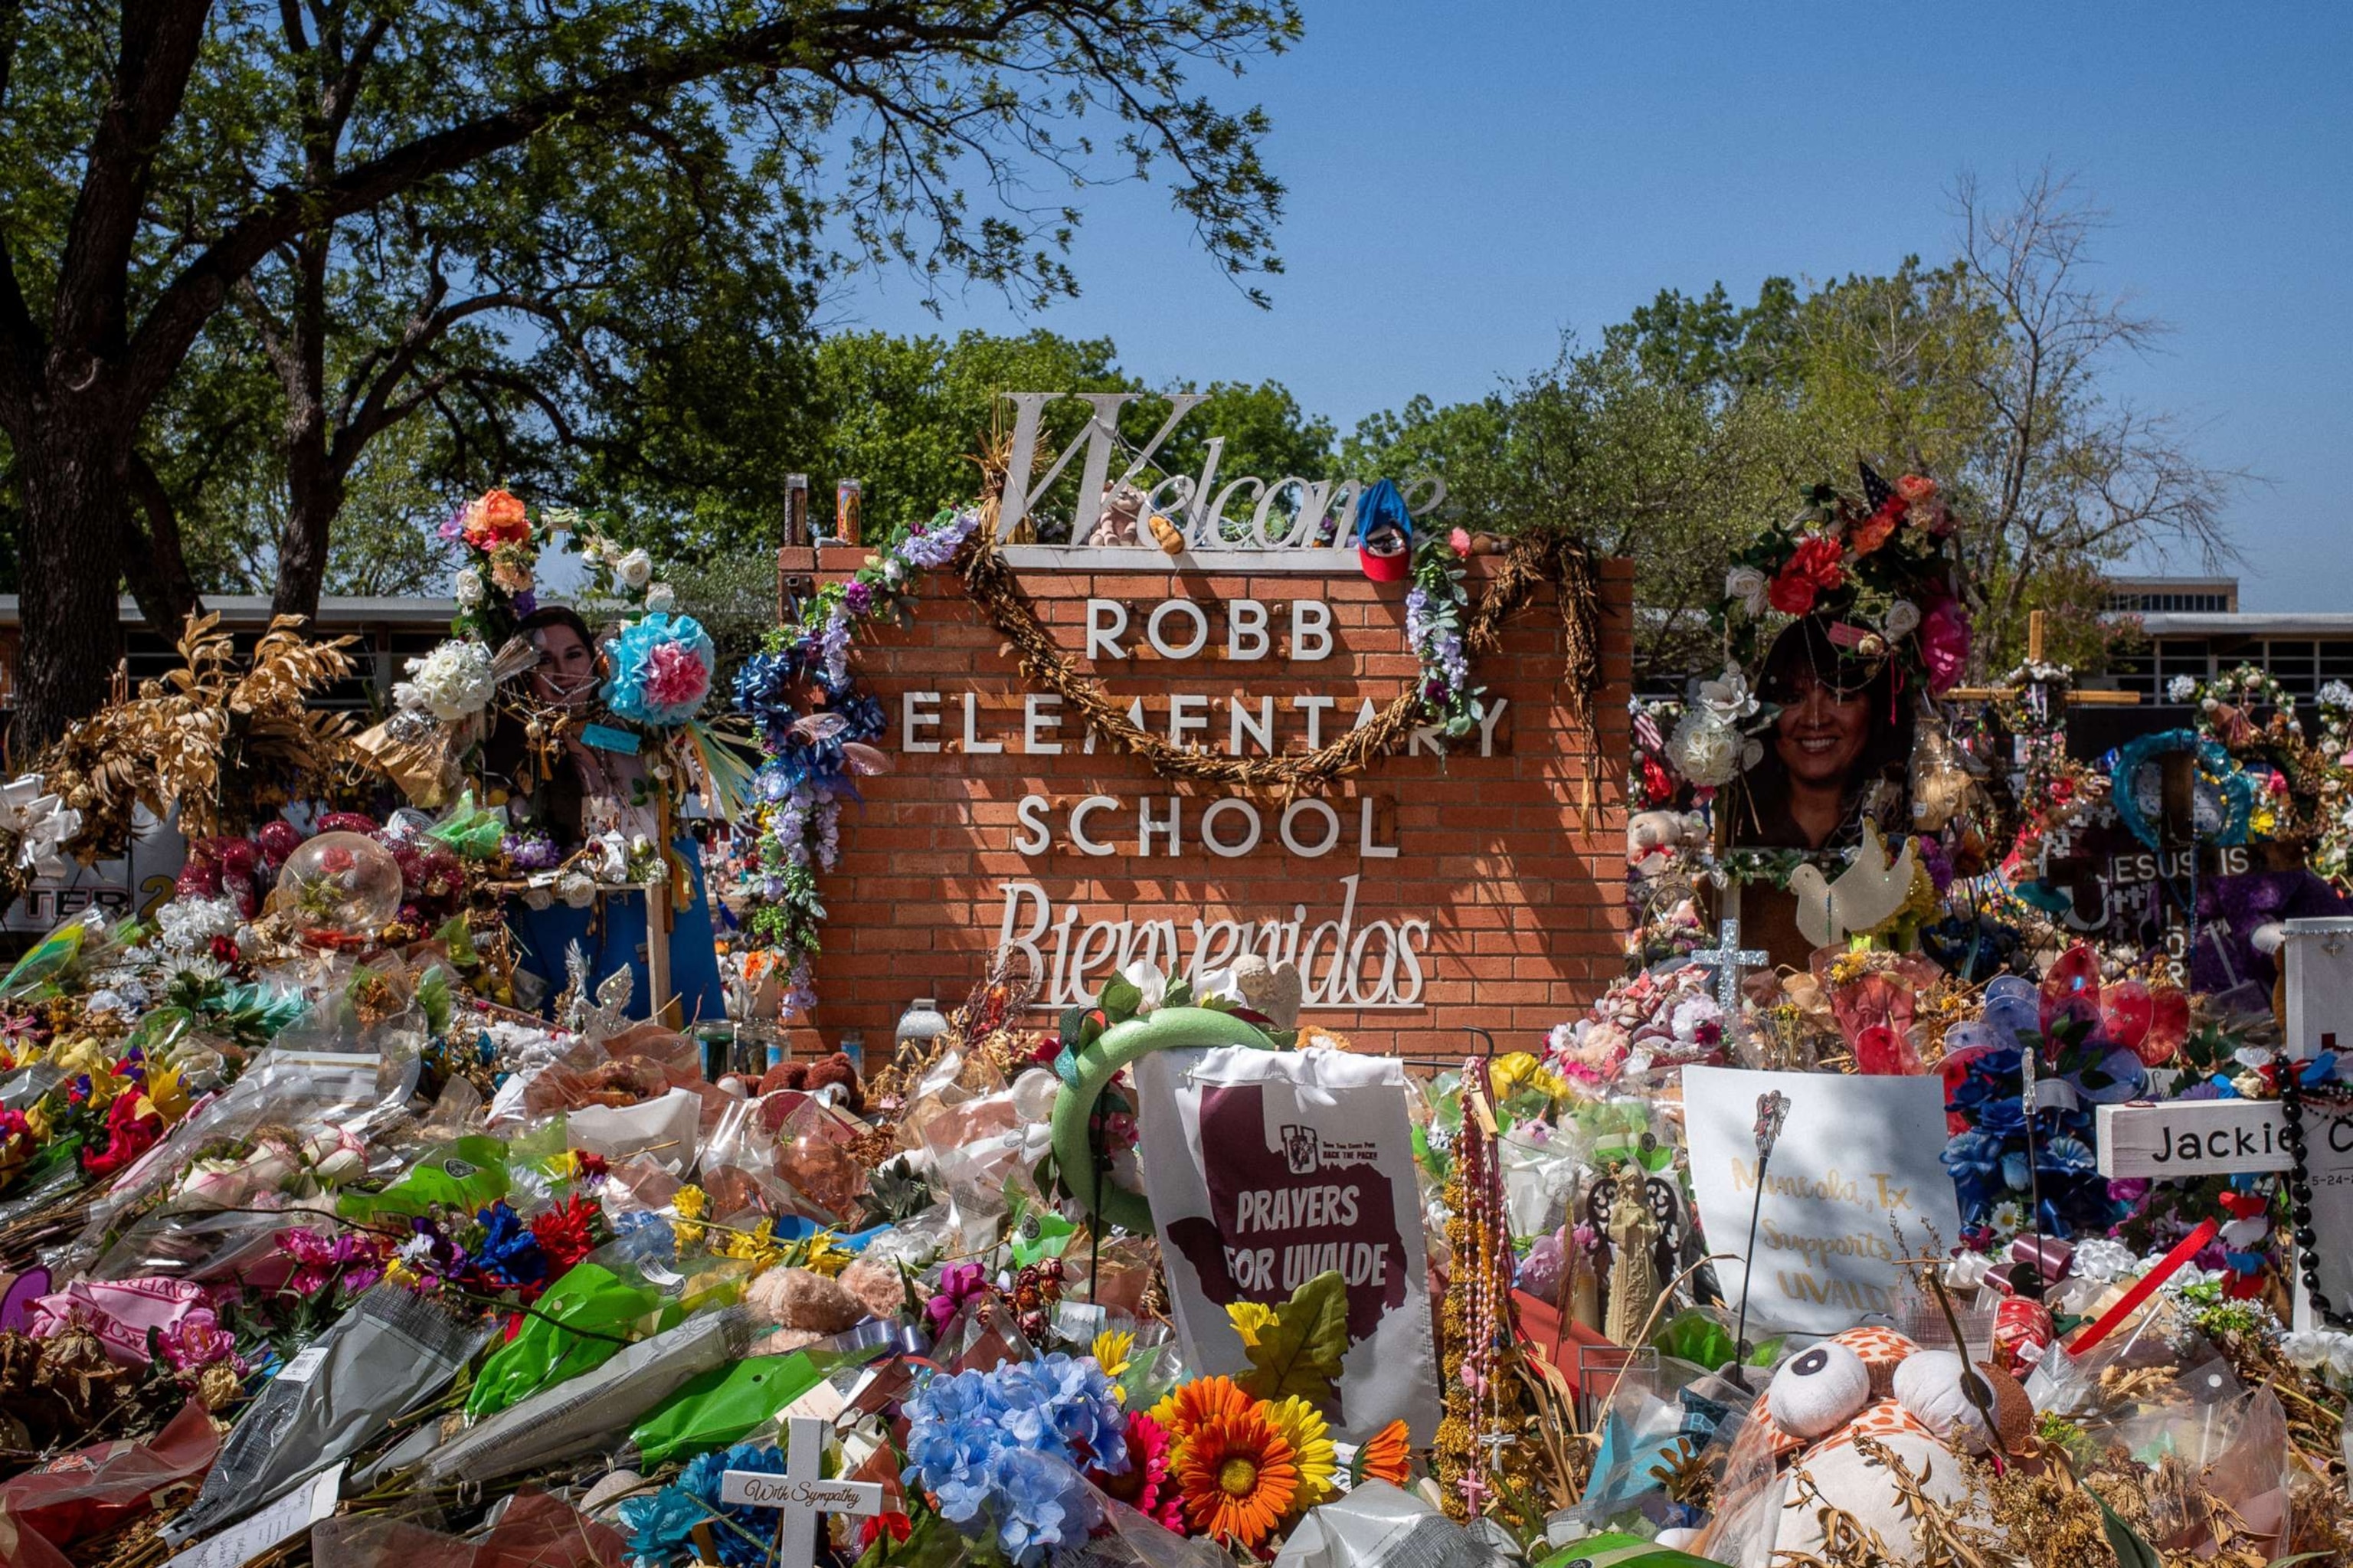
(1515, 860)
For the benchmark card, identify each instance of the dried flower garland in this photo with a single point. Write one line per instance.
(1528, 562)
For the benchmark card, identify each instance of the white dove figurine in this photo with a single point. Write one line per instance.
(1867, 893)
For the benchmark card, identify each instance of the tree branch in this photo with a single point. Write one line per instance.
(181, 309)
(159, 42)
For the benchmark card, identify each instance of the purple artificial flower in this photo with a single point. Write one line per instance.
(858, 597)
(526, 602)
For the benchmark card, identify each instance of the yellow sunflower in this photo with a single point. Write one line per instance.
(1236, 1478)
(1311, 1449)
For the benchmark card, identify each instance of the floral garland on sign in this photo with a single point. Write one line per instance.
(2331, 853)
(2228, 704)
(815, 756)
(1441, 698)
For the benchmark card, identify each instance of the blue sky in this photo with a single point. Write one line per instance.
(1470, 179)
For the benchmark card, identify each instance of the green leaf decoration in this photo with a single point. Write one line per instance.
(434, 1001)
(2131, 1550)
(1119, 999)
(1295, 1347)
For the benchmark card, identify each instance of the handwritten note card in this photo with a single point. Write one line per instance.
(1854, 1187)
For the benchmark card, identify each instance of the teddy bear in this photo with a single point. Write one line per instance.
(1874, 1383)
(1653, 839)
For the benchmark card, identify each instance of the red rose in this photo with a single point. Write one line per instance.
(1813, 570)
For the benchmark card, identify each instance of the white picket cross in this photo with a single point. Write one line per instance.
(801, 1494)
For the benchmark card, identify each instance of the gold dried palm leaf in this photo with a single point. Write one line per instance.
(218, 744)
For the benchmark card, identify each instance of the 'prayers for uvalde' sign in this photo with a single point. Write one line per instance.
(1268, 1167)
(1855, 1187)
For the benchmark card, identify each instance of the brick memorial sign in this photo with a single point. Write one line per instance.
(1482, 887)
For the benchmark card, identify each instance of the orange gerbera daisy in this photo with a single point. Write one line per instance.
(1192, 1405)
(1387, 1457)
(1236, 1476)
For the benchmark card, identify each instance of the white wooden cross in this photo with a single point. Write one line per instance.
(801, 1494)
(1727, 959)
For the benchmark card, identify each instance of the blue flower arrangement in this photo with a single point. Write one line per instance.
(661, 1527)
(1003, 1451)
(508, 1253)
(1988, 1159)
(810, 770)
(661, 670)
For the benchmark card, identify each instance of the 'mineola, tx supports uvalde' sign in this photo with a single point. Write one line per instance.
(1480, 883)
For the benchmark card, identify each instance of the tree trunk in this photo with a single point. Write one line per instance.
(315, 496)
(314, 481)
(154, 568)
(70, 551)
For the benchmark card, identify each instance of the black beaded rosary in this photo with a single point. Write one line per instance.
(2307, 1240)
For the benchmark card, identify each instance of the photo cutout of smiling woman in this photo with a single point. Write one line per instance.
(1842, 728)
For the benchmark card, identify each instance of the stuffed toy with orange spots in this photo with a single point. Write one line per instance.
(1874, 1383)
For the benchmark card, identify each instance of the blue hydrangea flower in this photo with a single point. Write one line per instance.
(1001, 1450)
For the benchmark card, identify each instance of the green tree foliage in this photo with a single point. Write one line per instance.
(1698, 420)
(517, 220)
(1630, 451)
(908, 418)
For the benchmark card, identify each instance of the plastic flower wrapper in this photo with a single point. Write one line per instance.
(1377, 1525)
(730, 1402)
(579, 1416)
(88, 1492)
(535, 1530)
(299, 1092)
(582, 1321)
(390, 1352)
(466, 1175)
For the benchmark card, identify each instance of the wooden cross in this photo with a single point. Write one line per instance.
(2034, 630)
(1727, 959)
(801, 1494)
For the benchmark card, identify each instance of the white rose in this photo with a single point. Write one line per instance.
(1903, 619)
(1746, 586)
(636, 570)
(1704, 749)
(452, 682)
(659, 596)
(575, 890)
(469, 588)
(1727, 696)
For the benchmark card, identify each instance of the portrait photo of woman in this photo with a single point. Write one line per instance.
(578, 790)
(1837, 747)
